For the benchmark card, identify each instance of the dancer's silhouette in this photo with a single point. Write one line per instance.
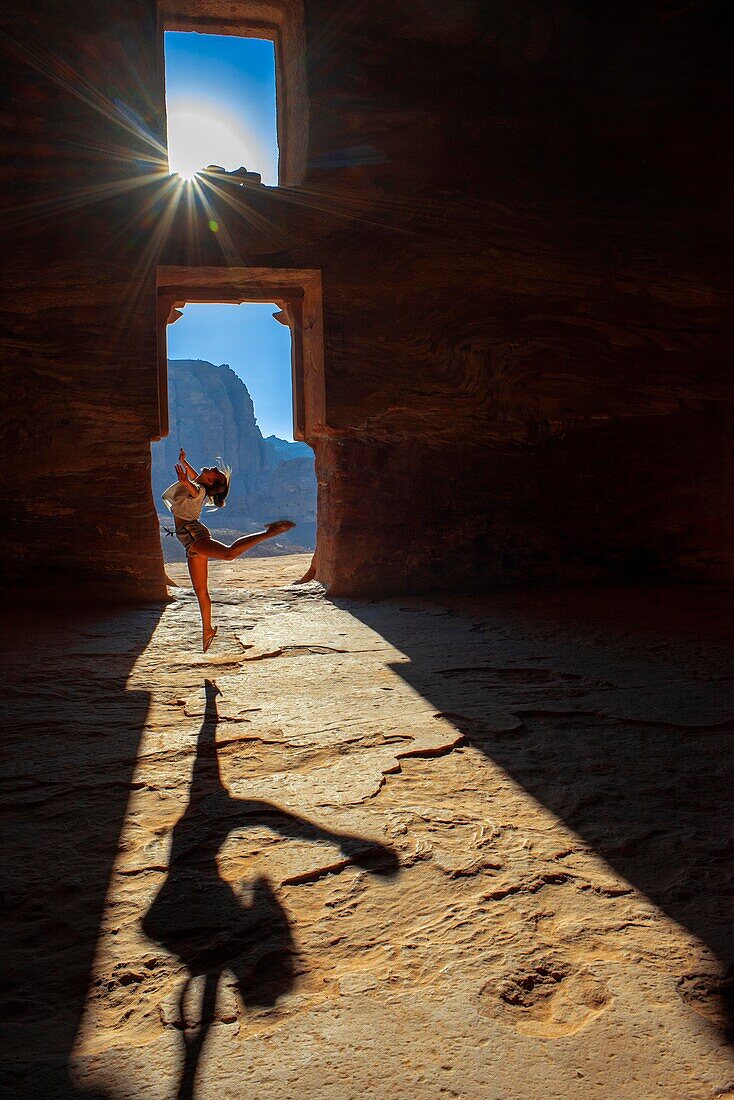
(199, 917)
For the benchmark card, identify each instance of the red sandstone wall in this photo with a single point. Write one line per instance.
(522, 215)
(77, 299)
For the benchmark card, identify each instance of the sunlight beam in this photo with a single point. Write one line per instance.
(199, 135)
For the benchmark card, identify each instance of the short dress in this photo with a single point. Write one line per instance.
(186, 511)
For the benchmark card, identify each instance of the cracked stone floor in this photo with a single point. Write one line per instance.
(475, 848)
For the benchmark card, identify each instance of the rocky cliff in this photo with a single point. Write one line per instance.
(212, 417)
(282, 450)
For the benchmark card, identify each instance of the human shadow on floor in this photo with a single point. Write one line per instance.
(626, 734)
(198, 916)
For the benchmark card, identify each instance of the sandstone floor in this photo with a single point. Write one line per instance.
(475, 848)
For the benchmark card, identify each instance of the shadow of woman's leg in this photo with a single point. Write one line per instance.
(193, 1046)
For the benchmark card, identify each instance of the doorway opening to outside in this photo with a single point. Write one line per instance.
(241, 386)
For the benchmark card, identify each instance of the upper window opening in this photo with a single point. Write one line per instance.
(221, 104)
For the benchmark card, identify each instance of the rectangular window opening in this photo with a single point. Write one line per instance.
(221, 104)
(240, 65)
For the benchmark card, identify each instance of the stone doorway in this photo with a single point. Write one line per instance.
(296, 295)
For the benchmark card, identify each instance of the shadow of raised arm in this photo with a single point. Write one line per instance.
(371, 855)
(226, 813)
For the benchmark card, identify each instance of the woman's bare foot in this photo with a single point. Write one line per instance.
(209, 637)
(279, 526)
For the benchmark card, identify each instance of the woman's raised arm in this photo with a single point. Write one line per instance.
(183, 477)
(187, 465)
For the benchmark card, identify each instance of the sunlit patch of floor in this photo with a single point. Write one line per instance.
(387, 792)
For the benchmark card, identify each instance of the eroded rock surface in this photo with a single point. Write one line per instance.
(406, 849)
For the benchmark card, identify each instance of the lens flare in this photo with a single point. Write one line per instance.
(199, 136)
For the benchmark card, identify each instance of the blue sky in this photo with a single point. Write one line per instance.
(220, 99)
(256, 347)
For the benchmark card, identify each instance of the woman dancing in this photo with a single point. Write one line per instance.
(185, 498)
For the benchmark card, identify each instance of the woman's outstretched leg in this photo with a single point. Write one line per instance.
(199, 572)
(239, 546)
(210, 548)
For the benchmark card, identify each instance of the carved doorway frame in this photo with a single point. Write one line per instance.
(297, 292)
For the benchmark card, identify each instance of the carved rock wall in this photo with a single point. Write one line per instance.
(519, 214)
(82, 129)
(522, 216)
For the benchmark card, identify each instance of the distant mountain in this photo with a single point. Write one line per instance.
(287, 451)
(211, 416)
